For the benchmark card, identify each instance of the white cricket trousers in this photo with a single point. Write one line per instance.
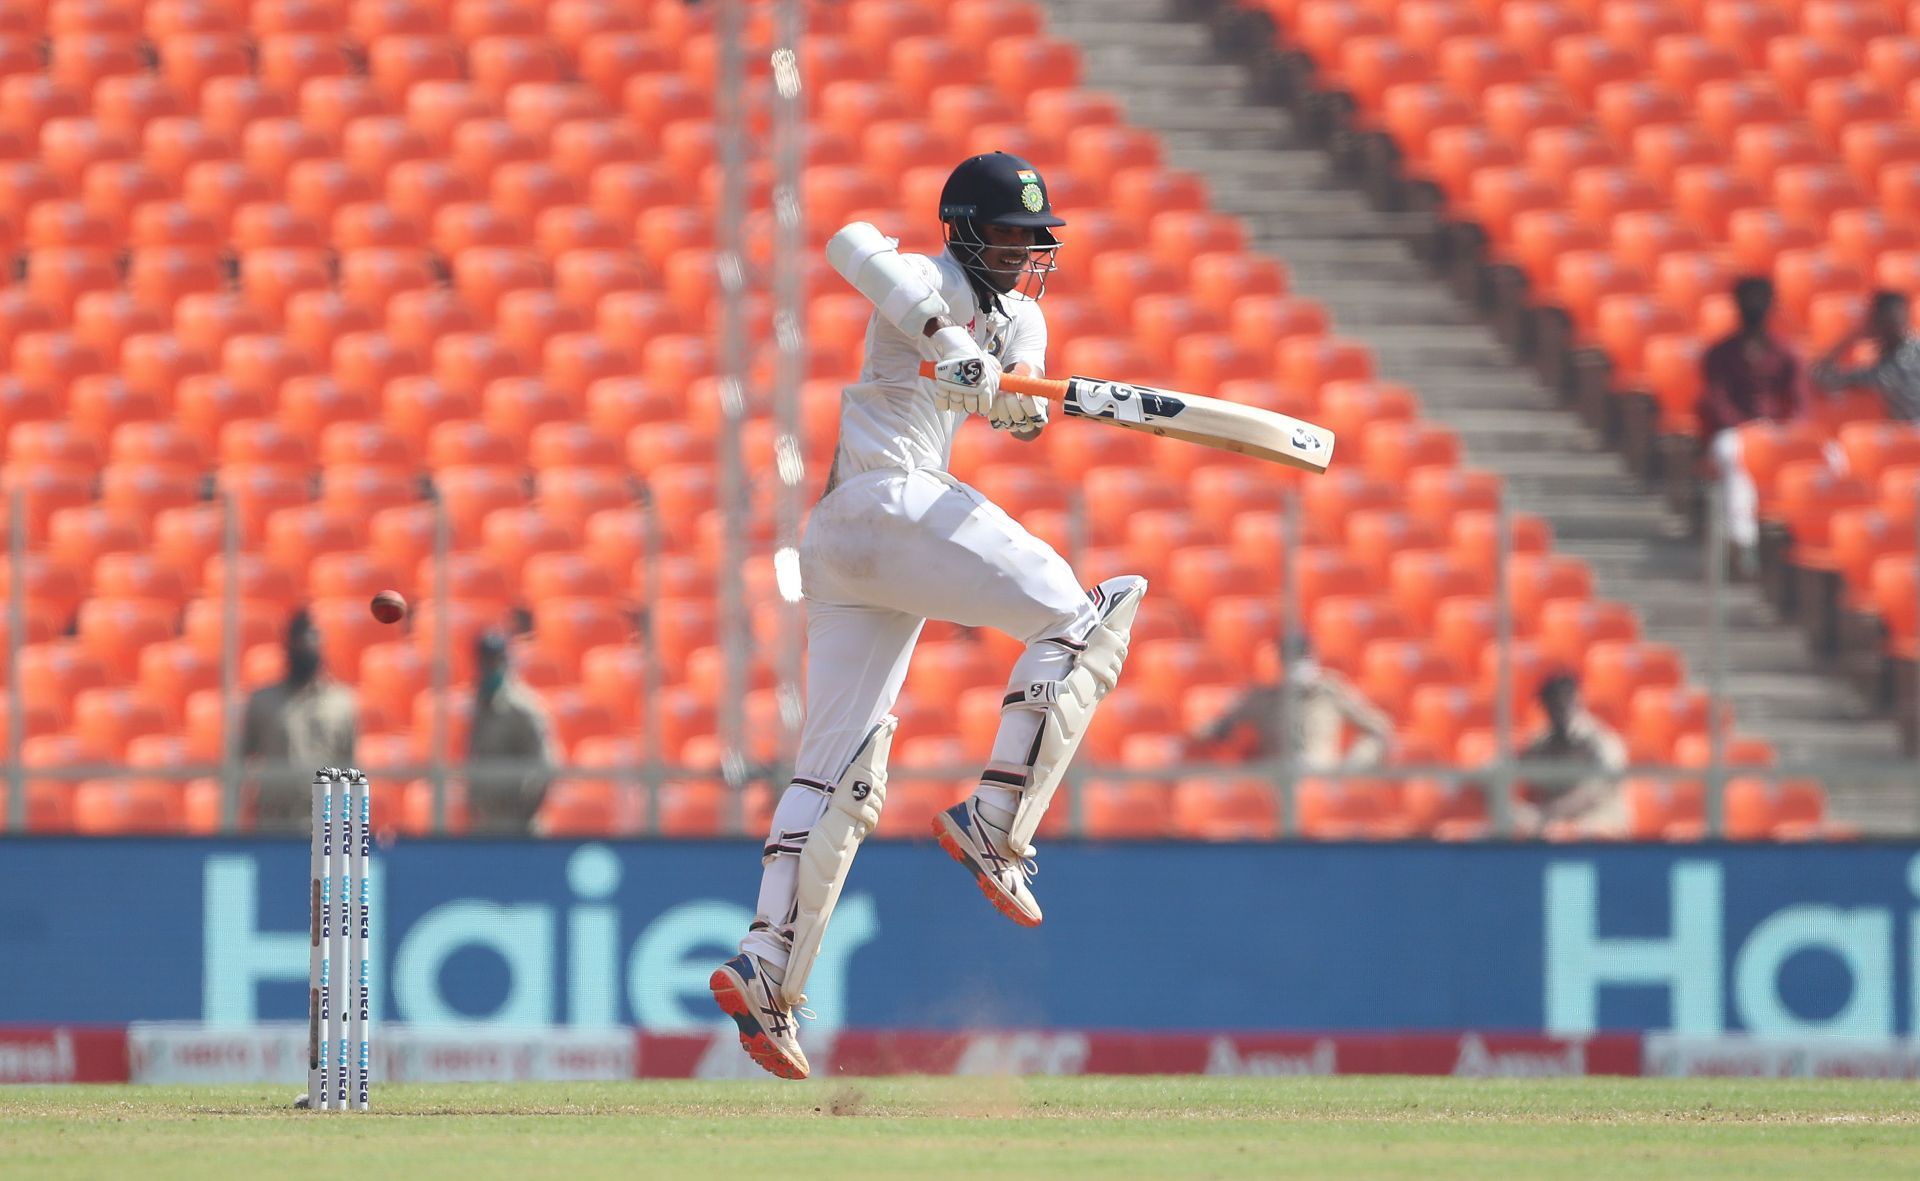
(1739, 499)
(884, 552)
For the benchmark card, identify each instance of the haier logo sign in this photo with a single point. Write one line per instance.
(573, 964)
(1807, 942)
(1718, 979)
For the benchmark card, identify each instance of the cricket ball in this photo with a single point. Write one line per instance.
(388, 607)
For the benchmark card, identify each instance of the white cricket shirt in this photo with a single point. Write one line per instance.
(888, 419)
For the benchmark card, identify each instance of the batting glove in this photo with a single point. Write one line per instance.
(1018, 413)
(966, 381)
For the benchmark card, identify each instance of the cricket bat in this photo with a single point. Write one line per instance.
(1173, 414)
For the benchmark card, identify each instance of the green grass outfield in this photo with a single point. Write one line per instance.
(946, 1127)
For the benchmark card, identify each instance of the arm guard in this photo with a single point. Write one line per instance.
(866, 258)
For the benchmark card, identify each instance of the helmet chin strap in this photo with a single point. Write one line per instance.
(969, 250)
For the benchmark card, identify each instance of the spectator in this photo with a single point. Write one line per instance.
(510, 728)
(1895, 371)
(1749, 376)
(296, 727)
(1306, 715)
(1572, 803)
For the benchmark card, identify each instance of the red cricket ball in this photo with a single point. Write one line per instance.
(388, 607)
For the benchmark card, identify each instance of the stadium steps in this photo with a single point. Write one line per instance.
(1356, 261)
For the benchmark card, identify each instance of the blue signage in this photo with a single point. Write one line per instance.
(1780, 940)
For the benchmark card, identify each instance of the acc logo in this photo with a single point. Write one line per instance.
(1304, 439)
(1032, 198)
(861, 789)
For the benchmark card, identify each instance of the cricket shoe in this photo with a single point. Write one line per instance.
(978, 844)
(769, 1032)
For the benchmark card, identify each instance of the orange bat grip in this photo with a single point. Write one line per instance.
(1052, 389)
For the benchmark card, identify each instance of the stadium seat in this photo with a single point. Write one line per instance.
(1116, 810)
(127, 806)
(1657, 715)
(1331, 809)
(1419, 580)
(1375, 536)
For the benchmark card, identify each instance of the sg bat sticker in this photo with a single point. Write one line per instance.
(1107, 399)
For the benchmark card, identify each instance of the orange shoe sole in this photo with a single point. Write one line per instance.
(1000, 901)
(753, 1039)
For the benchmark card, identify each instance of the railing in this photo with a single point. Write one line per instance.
(1496, 778)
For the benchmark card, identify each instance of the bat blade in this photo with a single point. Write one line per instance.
(1196, 418)
(1173, 414)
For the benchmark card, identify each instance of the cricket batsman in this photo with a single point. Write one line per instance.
(897, 540)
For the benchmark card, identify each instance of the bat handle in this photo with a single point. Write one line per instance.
(1052, 389)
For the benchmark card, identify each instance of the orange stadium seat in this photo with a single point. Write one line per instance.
(1169, 666)
(254, 580)
(348, 574)
(1331, 809)
(1534, 580)
(107, 719)
(1657, 715)
(1613, 670)
(138, 576)
(1892, 593)
(1861, 536)
(1455, 153)
(1313, 363)
(926, 796)
(1569, 627)
(1420, 579)
(1527, 668)
(1375, 536)
(1391, 450)
(1199, 575)
(1873, 447)
(1125, 810)
(1474, 535)
(392, 674)
(41, 492)
(76, 536)
(1439, 493)
(1344, 625)
(29, 101)
(1225, 811)
(126, 806)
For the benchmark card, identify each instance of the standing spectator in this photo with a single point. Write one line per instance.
(1573, 804)
(1751, 375)
(1306, 715)
(510, 728)
(1895, 370)
(294, 728)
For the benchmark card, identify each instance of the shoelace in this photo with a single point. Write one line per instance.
(1029, 868)
(798, 1010)
(784, 1019)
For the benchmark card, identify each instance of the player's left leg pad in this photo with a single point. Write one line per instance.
(766, 1025)
(1001, 860)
